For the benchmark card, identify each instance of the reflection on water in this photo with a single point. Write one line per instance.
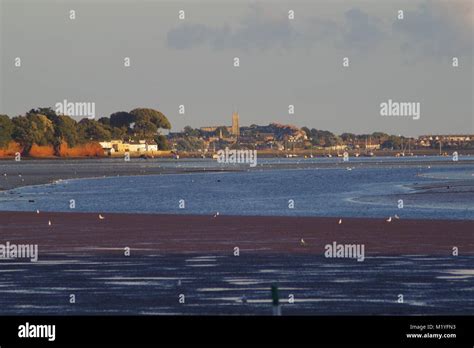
(109, 284)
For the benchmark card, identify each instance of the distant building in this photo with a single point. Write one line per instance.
(235, 124)
(119, 146)
(446, 139)
(234, 129)
(209, 129)
(372, 146)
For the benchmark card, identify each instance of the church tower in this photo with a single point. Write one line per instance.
(235, 124)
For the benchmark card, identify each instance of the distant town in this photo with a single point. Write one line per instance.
(288, 139)
(43, 133)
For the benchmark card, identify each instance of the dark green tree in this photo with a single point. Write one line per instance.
(92, 130)
(145, 129)
(151, 115)
(43, 129)
(6, 130)
(121, 119)
(162, 142)
(66, 131)
(23, 133)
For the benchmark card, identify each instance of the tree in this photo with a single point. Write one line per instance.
(6, 130)
(379, 135)
(92, 130)
(48, 112)
(104, 121)
(151, 115)
(43, 129)
(66, 131)
(307, 131)
(121, 119)
(162, 142)
(33, 129)
(323, 138)
(145, 129)
(118, 133)
(348, 137)
(189, 144)
(393, 142)
(63, 128)
(190, 132)
(23, 133)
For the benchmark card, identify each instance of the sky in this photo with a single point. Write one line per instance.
(283, 61)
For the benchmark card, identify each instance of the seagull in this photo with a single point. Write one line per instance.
(389, 219)
(340, 221)
(49, 222)
(303, 243)
(101, 217)
(396, 217)
(37, 211)
(216, 214)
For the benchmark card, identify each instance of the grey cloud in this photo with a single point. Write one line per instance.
(357, 30)
(361, 30)
(435, 30)
(256, 32)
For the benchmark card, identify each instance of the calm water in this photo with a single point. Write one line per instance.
(357, 189)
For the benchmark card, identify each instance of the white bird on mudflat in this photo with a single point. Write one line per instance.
(396, 217)
(216, 214)
(389, 219)
(303, 243)
(101, 217)
(340, 221)
(37, 211)
(49, 222)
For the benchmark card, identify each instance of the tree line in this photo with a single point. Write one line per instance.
(44, 127)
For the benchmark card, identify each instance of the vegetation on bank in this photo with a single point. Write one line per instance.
(42, 132)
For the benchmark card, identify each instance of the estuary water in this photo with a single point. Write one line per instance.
(379, 187)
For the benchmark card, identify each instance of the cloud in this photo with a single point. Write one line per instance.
(361, 30)
(256, 32)
(261, 31)
(437, 29)
(356, 31)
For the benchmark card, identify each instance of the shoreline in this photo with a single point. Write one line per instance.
(46, 171)
(43, 172)
(152, 234)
